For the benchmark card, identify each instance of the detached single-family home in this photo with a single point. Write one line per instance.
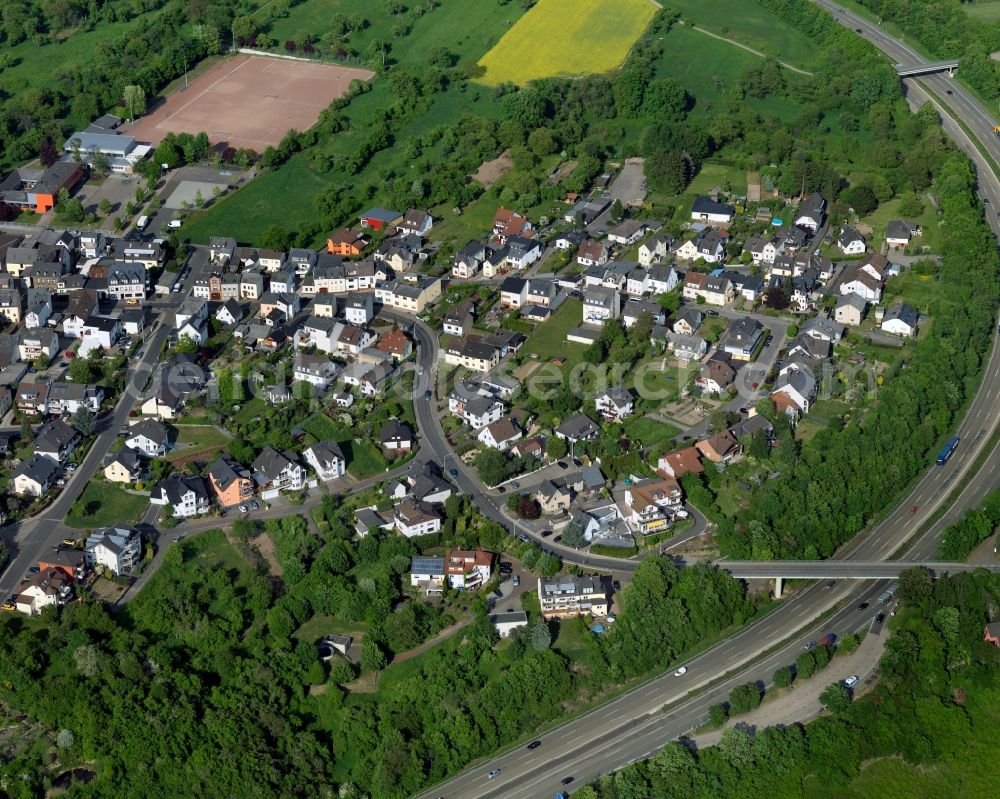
(654, 250)
(687, 321)
(822, 328)
(359, 310)
(505, 623)
(794, 387)
(811, 212)
(860, 281)
(615, 404)
(412, 518)
(415, 223)
(346, 242)
(850, 309)
(42, 590)
(501, 434)
(185, 496)
(600, 303)
(507, 223)
(34, 476)
(898, 234)
(900, 320)
(628, 231)
(653, 504)
(149, 437)
(744, 335)
(578, 428)
(126, 467)
(711, 212)
(592, 253)
(850, 242)
(553, 497)
(277, 471)
(513, 292)
(314, 369)
(762, 250)
(708, 245)
(326, 459)
(715, 376)
(720, 448)
(680, 462)
(714, 289)
(56, 440)
(396, 436)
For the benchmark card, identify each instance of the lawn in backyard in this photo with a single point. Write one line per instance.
(549, 339)
(928, 221)
(650, 432)
(102, 504)
(363, 458)
(988, 11)
(917, 290)
(590, 36)
(198, 440)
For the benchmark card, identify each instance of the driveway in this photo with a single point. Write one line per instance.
(629, 186)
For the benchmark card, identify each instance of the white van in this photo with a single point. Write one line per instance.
(174, 223)
(142, 222)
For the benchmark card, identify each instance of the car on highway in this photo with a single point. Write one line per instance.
(566, 781)
(863, 606)
(851, 681)
(534, 745)
(681, 671)
(493, 774)
(880, 618)
(243, 508)
(809, 646)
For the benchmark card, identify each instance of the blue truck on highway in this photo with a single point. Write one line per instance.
(947, 450)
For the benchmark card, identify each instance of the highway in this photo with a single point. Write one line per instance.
(632, 726)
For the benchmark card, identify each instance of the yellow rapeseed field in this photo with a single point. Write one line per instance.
(567, 37)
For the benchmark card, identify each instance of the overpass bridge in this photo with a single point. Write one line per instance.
(780, 570)
(926, 68)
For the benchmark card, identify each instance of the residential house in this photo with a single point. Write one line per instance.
(34, 476)
(652, 504)
(615, 404)
(125, 467)
(715, 289)
(326, 459)
(684, 348)
(164, 403)
(628, 232)
(277, 471)
(42, 590)
(68, 398)
(541, 291)
(898, 234)
(396, 344)
(746, 286)
(415, 223)
(359, 310)
(229, 313)
(412, 519)
(314, 369)
(283, 279)
(104, 331)
(346, 242)
(380, 218)
(32, 398)
(519, 252)
(798, 386)
(149, 437)
(743, 338)
(720, 448)
(396, 436)
(850, 309)
(635, 309)
(811, 212)
(711, 212)
(469, 260)
(715, 376)
(762, 250)
(468, 569)
(231, 482)
(900, 320)
(687, 321)
(507, 224)
(38, 344)
(185, 496)
(850, 242)
(472, 352)
(806, 346)
(513, 292)
(860, 281)
(505, 623)
(475, 409)
(654, 250)
(458, 321)
(585, 211)
(56, 440)
(410, 298)
(129, 282)
(823, 328)
(680, 462)
(38, 308)
(117, 549)
(592, 253)
(600, 303)
(11, 305)
(571, 595)
(553, 497)
(499, 434)
(578, 428)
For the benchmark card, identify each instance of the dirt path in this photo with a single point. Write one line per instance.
(748, 49)
(447, 632)
(265, 544)
(801, 703)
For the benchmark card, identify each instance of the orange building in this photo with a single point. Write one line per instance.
(346, 242)
(37, 190)
(231, 483)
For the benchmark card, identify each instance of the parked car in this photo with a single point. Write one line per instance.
(523, 537)
(501, 490)
(33, 570)
(453, 471)
(69, 542)
(517, 580)
(809, 646)
(561, 464)
(8, 606)
(880, 618)
(254, 505)
(515, 484)
(616, 584)
(243, 508)
(557, 539)
(829, 639)
(851, 681)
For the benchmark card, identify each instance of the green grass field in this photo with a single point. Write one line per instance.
(988, 11)
(203, 440)
(102, 504)
(553, 39)
(363, 458)
(650, 432)
(889, 210)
